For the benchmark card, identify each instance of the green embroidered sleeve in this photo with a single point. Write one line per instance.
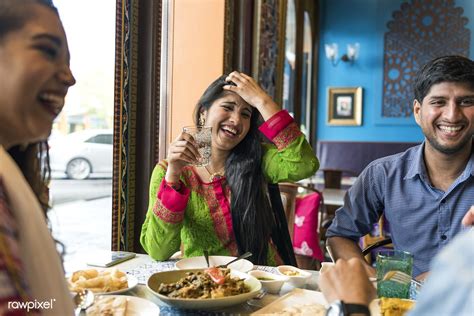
(294, 162)
(160, 238)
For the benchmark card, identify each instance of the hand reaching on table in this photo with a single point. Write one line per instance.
(468, 219)
(348, 281)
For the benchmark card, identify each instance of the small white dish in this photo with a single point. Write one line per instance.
(296, 277)
(271, 282)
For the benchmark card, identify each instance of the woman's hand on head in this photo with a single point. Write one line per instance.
(348, 281)
(252, 93)
(181, 152)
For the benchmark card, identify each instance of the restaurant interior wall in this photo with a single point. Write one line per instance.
(197, 56)
(364, 21)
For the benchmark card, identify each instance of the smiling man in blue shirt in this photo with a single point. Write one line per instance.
(425, 191)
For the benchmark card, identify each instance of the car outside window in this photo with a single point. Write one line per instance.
(101, 139)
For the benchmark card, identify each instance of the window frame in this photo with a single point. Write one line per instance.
(136, 116)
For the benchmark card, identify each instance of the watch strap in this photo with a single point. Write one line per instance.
(350, 309)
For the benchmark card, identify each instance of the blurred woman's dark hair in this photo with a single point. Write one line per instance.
(443, 69)
(252, 216)
(14, 14)
(32, 159)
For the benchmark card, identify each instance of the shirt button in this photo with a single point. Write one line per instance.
(444, 237)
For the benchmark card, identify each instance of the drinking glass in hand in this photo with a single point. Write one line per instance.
(202, 139)
(394, 269)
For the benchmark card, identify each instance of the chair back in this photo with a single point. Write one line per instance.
(288, 192)
(332, 178)
(308, 254)
(374, 240)
(280, 233)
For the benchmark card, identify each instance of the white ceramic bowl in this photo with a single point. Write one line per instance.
(271, 282)
(296, 277)
(172, 276)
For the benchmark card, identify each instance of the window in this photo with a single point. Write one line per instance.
(290, 55)
(80, 154)
(299, 77)
(101, 139)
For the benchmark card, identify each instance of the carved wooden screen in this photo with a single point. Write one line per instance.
(420, 31)
(269, 51)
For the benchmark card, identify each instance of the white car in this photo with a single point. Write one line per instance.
(82, 154)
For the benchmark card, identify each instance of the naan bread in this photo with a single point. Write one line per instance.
(303, 310)
(108, 306)
(104, 281)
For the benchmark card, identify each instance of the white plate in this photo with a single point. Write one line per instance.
(241, 265)
(137, 306)
(203, 304)
(132, 282)
(297, 297)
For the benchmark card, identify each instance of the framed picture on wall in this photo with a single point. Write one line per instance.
(345, 106)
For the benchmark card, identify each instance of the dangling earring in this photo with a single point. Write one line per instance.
(23, 146)
(202, 119)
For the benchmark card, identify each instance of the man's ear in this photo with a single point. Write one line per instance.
(417, 111)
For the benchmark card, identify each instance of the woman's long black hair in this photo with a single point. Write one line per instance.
(252, 217)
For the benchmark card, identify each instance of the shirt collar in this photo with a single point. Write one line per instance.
(470, 163)
(418, 165)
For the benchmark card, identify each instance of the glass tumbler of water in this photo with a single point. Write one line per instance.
(202, 139)
(394, 270)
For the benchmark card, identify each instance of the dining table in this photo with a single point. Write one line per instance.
(334, 197)
(317, 181)
(143, 266)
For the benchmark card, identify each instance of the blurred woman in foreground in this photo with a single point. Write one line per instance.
(34, 79)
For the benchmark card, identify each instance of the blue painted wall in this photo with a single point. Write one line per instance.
(363, 21)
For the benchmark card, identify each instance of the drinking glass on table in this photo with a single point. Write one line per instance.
(394, 270)
(203, 139)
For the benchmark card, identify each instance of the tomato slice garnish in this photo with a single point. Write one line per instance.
(216, 275)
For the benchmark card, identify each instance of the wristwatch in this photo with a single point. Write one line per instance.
(339, 308)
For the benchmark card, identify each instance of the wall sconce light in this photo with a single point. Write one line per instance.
(350, 56)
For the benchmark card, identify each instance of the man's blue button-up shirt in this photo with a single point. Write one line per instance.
(422, 218)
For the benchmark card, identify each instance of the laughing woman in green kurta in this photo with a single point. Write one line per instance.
(224, 207)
